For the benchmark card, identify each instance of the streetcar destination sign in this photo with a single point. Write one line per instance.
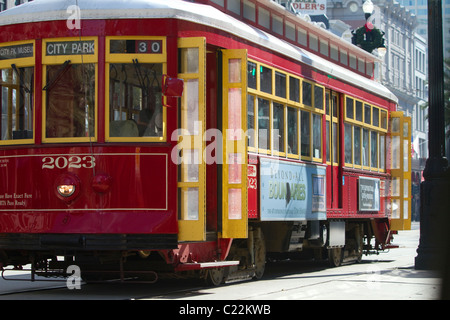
(16, 51)
(63, 48)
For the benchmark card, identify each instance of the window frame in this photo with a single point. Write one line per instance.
(127, 58)
(74, 59)
(25, 62)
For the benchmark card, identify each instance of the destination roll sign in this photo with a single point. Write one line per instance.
(62, 48)
(17, 51)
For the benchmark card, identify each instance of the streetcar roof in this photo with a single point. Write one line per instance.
(49, 10)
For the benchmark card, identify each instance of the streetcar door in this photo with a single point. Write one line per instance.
(234, 124)
(189, 152)
(400, 134)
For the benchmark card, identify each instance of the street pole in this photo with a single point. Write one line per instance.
(435, 190)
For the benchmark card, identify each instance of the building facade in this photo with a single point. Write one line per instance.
(403, 69)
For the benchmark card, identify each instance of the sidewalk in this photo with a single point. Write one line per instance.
(392, 277)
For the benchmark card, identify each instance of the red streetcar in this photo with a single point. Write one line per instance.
(191, 138)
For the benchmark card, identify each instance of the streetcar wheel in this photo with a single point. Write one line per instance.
(260, 256)
(215, 276)
(335, 256)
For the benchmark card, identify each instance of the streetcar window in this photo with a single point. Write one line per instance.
(278, 127)
(327, 140)
(349, 108)
(70, 97)
(251, 75)
(318, 97)
(188, 60)
(367, 114)
(294, 89)
(383, 119)
(305, 133)
(376, 117)
(16, 99)
(251, 120)
(265, 76)
(356, 145)
(348, 143)
(280, 84)
(382, 152)
(292, 130)
(317, 135)
(263, 123)
(358, 111)
(373, 149)
(335, 139)
(307, 93)
(365, 145)
(135, 100)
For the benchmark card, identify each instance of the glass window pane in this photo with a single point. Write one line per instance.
(367, 114)
(234, 70)
(292, 131)
(234, 131)
(307, 93)
(251, 75)
(395, 140)
(406, 154)
(356, 145)
(188, 60)
(376, 117)
(305, 133)
(327, 144)
(234, 203)
(190, 200)
(294, 89)
(16, 100)
(383, 120)
(190, 165)
(234, 168)
(135, 100)
(358, 111)
(280, 84)
(395, 209)
(70, 107)
(335, 137)
(317, 135)
(265, 76)
(373, 149)
(382, 153)
(327, 103)
(263, 123)
(335, 105)
(395, 125)
(251, 120)
(349, 108)
(278, 127)
(318, 97)
(365, 146)
(189, 106)
(348, 143)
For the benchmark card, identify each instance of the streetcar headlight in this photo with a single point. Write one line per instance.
(66, 190)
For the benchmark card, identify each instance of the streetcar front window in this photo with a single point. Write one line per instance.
(16, 98)
(135, 100)
(70, 107)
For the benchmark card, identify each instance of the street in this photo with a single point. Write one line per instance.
(387, 276)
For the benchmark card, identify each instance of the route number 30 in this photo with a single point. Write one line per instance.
(62, 162)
